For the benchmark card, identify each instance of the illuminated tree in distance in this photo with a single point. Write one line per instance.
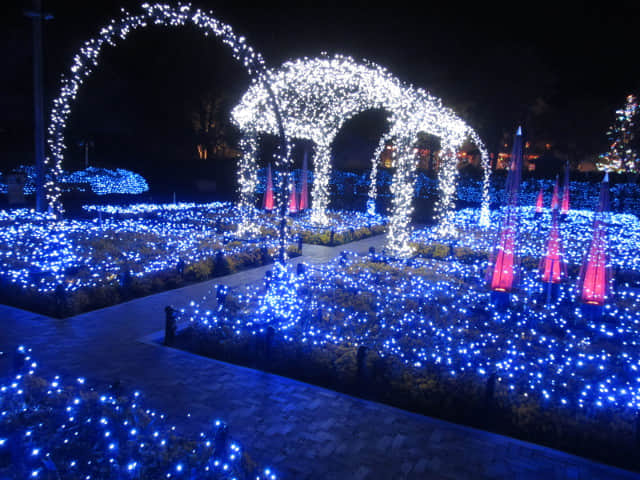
(622, 156)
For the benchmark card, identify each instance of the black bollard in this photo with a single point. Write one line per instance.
(343, 258)
(372, 251)
(61, 300)
(300, 269)
(331, 237)
(361, 357)
(220, 440)
(300, 244)
(268, 341)
(488, 394)
(170, 325)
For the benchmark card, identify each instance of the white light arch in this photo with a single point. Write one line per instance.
(119, 29)
(318, 95)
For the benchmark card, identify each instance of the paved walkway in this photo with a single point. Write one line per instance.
(303, 431)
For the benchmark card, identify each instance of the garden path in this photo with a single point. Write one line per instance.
(301, 430)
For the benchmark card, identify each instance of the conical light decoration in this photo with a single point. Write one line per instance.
(564, 209)
(540, 202)
(555, 202)
(552, 266)
(504, 266)
(304, 189)
(595, 276)
(293, 199)
(267, 202)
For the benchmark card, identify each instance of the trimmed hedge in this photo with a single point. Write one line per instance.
(61, 304)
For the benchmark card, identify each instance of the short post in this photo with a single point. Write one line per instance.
(268, 341)
(61, 300)
(220, 439)
(372, 251)
(170, 325)
(300, 244)
(300, 269)
(361, 357)
(343, 258)
(331, 236)
(488, 394)
(268, 279)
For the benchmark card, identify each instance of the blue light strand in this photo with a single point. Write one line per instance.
(69, 429)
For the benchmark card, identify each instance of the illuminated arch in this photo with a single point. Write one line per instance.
(318, 95)
(119, 29)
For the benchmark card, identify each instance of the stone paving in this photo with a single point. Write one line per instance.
(302, 431)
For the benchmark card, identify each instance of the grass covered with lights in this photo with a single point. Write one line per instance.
(475, 243)
(424, 336)
(62, 268)
(52, 428)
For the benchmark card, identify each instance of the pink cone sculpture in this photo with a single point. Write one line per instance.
(293, 199)
(552, 266)
(267, 202)
(595, 276)
(504, 265)
(304, 189)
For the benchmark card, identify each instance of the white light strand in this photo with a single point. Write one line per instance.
(87, 59)
(317, 96)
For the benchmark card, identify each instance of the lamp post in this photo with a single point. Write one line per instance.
(37, 16)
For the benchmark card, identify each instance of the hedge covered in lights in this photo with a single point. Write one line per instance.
(66, 267)
(474, 242)
(433, 341)
(625, 197)
(54, 427)
(100, 181)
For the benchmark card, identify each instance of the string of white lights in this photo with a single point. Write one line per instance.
(317, 96)
(119, 29)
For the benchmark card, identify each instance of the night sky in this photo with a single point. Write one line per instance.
(559, 70)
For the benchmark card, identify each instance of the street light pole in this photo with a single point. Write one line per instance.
(38, 99)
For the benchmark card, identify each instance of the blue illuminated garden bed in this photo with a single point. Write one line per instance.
(343, 227)
(425, 336)
(475, 243)
(63, 268)
(57, 428)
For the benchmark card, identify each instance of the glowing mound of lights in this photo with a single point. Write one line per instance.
(623, 231)
(439, 316)
(316, 96)
(54, 424)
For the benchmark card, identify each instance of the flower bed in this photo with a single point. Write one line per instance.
(344, 227)
(62, 268)
(425, 336)
(476, 243)
(52, 428)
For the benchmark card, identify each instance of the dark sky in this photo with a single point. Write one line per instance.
(559, 69)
